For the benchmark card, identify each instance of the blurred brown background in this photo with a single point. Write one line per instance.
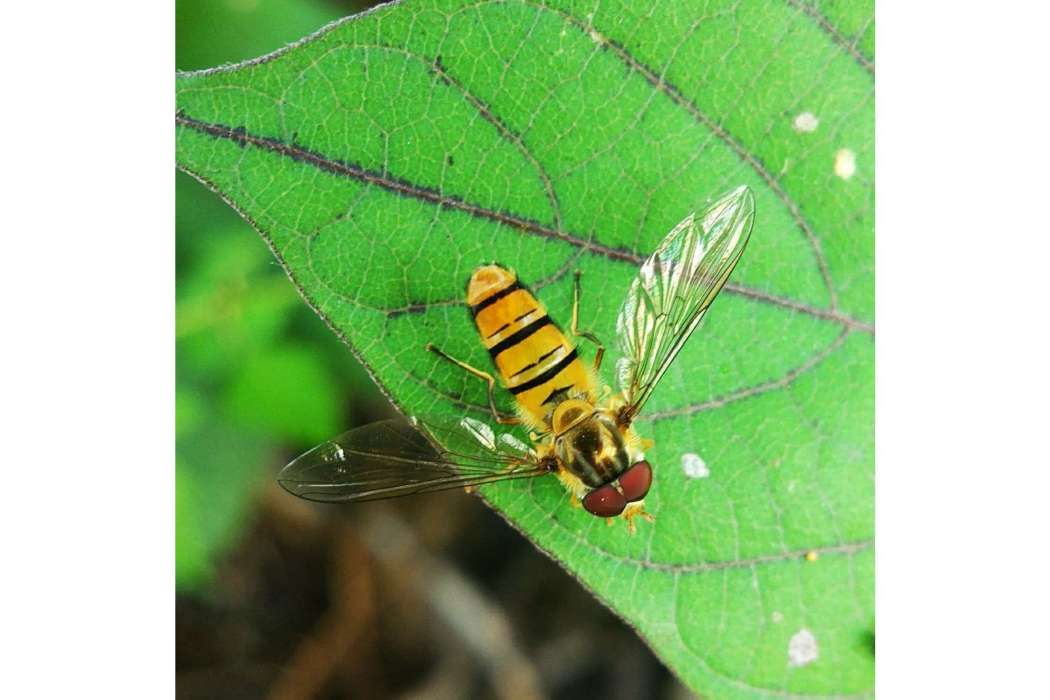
(426, 597)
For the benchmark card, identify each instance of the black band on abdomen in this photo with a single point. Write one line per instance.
(490, 300)
(546, 376)
(518, 336)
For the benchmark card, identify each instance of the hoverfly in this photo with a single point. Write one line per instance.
(580, 431)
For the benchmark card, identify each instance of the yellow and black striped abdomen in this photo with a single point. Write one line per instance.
(537, 362)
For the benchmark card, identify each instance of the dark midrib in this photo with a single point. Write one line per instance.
(241, 137)
(297, 153)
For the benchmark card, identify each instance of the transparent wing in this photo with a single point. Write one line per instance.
(394, 458)
(674, 289)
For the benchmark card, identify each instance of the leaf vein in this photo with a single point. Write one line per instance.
(787, 378)
(850, 47)
(241, 137)
(661, 84)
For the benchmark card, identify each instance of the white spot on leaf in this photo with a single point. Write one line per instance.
(806, 123)
(694, 467)
(845, 163)
(778, 617)
(802, 649)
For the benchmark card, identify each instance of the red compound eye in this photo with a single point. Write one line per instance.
(636, 480)
(604, 501)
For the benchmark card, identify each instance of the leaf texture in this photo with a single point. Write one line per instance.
(386, 156)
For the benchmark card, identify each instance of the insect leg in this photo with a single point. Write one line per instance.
(636, 510)
(575, 322)
(485, 376)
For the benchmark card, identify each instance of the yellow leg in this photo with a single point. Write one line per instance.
(635, 510)
(575, 323)
(484, 376)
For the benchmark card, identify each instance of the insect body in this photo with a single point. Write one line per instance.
(556, 394)
(581, 431)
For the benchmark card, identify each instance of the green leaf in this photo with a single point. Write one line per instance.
(388, 155)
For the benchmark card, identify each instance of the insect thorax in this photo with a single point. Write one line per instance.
(588, 442)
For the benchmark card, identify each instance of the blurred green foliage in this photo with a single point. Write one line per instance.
(258, 376)
(212, 32)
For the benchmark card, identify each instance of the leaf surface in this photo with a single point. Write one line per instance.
(390, 154)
